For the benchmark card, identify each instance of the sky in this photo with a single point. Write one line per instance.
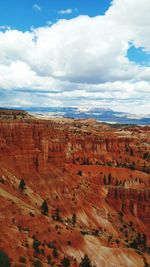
(70, 53)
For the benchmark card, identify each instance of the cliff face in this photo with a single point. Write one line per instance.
(41, 144)
(33, 145)
(95, 181)
(134, 201)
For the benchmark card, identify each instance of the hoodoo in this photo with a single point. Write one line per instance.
(84, 197)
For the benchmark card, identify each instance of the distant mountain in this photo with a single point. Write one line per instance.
(99, 114)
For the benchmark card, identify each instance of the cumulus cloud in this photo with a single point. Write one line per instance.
(65, 11)
(5, 27)
(83, 61)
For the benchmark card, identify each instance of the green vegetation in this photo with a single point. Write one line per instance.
(109, 178)
(37, 263)
(85, 262)
(44, 208)
(22, 259)
(74, 219)
(4, 259)
(56, 216)
(65, 262)
(22, 185)
(55, 252)
(36, 245)
(105, 183)
(146, 155)
(49, 260)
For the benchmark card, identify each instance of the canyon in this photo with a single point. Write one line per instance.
(72, 190)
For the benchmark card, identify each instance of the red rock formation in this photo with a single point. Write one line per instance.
(98, 200)
(133, 201)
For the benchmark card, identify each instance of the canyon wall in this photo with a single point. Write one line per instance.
(41, 144)
(134, 201)
(95, 181)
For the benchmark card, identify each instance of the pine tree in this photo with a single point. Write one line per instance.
(36, 245)
(65, 262)
(131, 152)
(109, 178)
(55, 253)
(85, 262)
(22, 185)
(74, 219)
(44, 207)
(4, 259)
(144, 240)
(105, 183)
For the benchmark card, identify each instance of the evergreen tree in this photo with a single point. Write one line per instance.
(65, 262)
(74, 219)
(134, 244)
(44, 207)
(109, 178)
(4, 259)
(131, 152)
(56, 216)
(138, 238)
(37, 263)
(105, 183)
(55, 253)
(85, 262)
(22, 185)
(36, 245)
(49, 260)
(79, 173)
(144, 240)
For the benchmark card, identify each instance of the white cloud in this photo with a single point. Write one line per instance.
(65, 11)
(5, 28)
(84, 60)
(37, 7)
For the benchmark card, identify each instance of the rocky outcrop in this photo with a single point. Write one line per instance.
(35, 145)
(11, 114)
(135, 201)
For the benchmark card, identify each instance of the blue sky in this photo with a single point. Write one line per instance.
(23, 14)
(138, 55)
(93, 53)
